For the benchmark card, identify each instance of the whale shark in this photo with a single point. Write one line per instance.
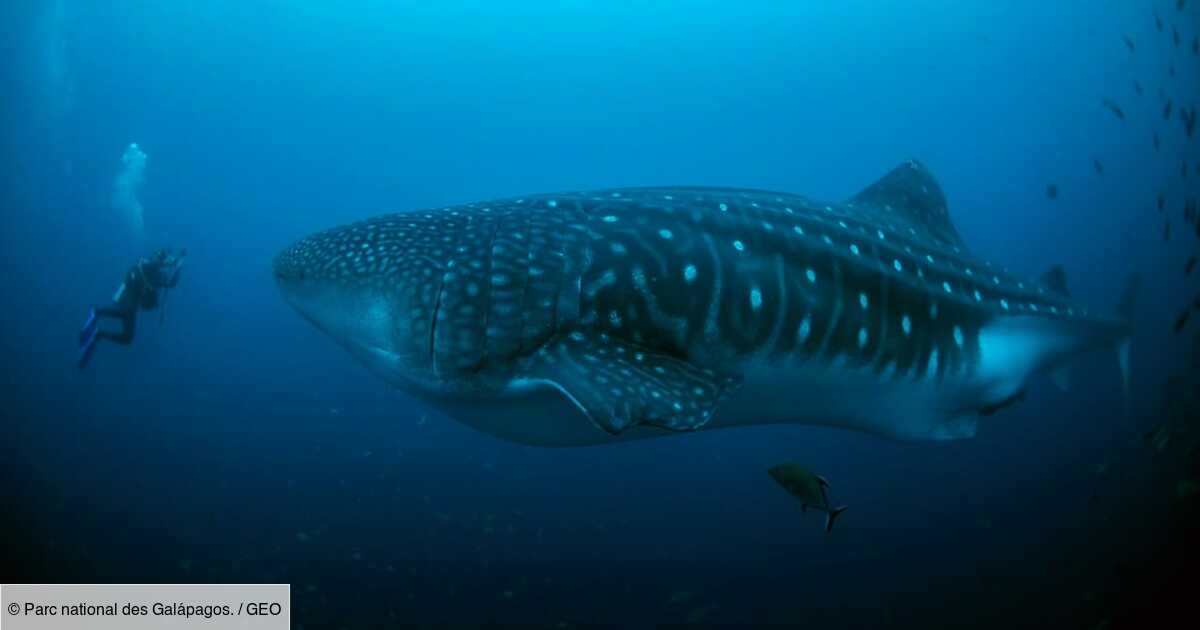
(581, 318)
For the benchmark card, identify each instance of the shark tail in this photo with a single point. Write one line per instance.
(833, 514)
(1125, 307)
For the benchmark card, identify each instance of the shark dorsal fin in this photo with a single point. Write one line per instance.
(911, 194)
(1055, 279)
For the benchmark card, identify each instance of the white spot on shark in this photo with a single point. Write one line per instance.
(756, 298)
(906, 325)
(811, 275)
(958, 336)
(738, 245)
(689, 273)
(862, 300)
(665, 234)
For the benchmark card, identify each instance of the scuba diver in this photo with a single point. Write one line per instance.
(143, 283)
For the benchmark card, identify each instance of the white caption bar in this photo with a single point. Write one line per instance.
(145, 606)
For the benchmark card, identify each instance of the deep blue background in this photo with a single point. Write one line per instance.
(234, 442)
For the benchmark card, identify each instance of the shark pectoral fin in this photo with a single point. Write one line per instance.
(1061, 378)
(618, 385)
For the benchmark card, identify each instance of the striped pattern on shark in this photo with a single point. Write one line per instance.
(584, 317)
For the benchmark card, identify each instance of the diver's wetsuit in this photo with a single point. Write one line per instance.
(140, 290)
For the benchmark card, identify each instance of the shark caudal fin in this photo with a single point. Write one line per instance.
(1125, 306)
(832, 515)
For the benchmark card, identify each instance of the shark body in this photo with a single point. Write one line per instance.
(588, 317)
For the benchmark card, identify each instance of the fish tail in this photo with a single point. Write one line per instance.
(832, 515)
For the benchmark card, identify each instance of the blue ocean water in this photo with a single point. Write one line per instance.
(233, 442)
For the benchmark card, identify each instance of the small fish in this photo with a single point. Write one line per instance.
(1098, 166)
(1182, 320)
(1175, 35)
(1158, 23)
(1052, 191)
(1162, 200)
(1179, 4)
(1129, 43)
(1167, 230)
(1137, 87)
(1191, 264)
(811, 489)
(1167, 110)
(1196, 45)
(1114, 108)
(1156, 141)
